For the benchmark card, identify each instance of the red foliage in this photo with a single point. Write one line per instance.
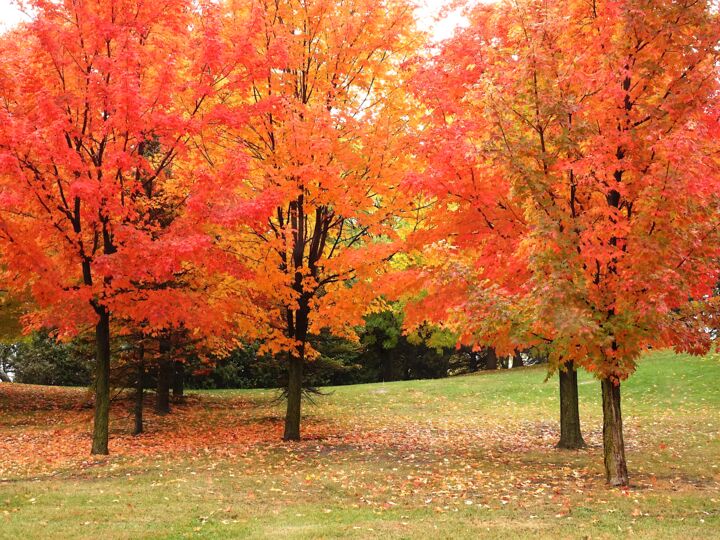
(576, 197)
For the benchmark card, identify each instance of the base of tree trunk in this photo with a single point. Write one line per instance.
(162, 397)
(139, 397)
(178, 381)
(164, 377)
(294, 400)
(101, 425)
(613, 443)
(570, 434)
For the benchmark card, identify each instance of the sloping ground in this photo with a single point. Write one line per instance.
(454, 458)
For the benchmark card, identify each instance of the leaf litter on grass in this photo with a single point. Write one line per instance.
(390, 460)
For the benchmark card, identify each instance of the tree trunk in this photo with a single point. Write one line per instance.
(101, 425)
(162, 398)
(613, 444)
(165, 372)
(4, 376)
(491, 362)
(139, 393)
(570, 434)
(178, 381)
(294, 399)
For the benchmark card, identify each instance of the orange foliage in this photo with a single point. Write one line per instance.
(576, 198)
(316, 136)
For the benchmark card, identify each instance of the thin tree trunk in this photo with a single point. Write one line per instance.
(294, 399)
(491, 362)
(570, 433)
(139, 392)
(101, 424)
(518, 360)
(165, 372)
(178, 382)
(613, 444)
(4, 376)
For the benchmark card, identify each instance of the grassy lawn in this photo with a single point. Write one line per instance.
(465, 457)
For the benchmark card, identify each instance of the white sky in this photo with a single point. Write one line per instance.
(10, 15)
(428, 19)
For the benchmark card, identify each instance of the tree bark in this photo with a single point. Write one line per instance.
(294, 399)
(613, 444)
(139, 393)
(570, 434)
(298, 320)
(178, 382)
(165, 372)
(491, 362)
(101, 425)
(4, 376)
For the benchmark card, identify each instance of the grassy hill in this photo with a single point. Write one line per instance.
(465, 457)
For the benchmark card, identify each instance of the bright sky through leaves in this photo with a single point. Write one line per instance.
(11, 14)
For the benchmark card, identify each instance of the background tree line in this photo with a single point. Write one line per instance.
(383, 353)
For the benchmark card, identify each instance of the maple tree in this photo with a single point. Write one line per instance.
(317, 138)
(246, 170)
(98, 100)
(581, 181)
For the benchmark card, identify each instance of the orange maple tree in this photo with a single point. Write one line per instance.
(98, 100)
(581, 185)
(317, 137)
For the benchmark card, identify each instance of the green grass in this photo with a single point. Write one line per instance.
(465, 457)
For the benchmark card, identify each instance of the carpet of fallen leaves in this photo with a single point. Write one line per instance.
(47, 429)
(379, 460)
